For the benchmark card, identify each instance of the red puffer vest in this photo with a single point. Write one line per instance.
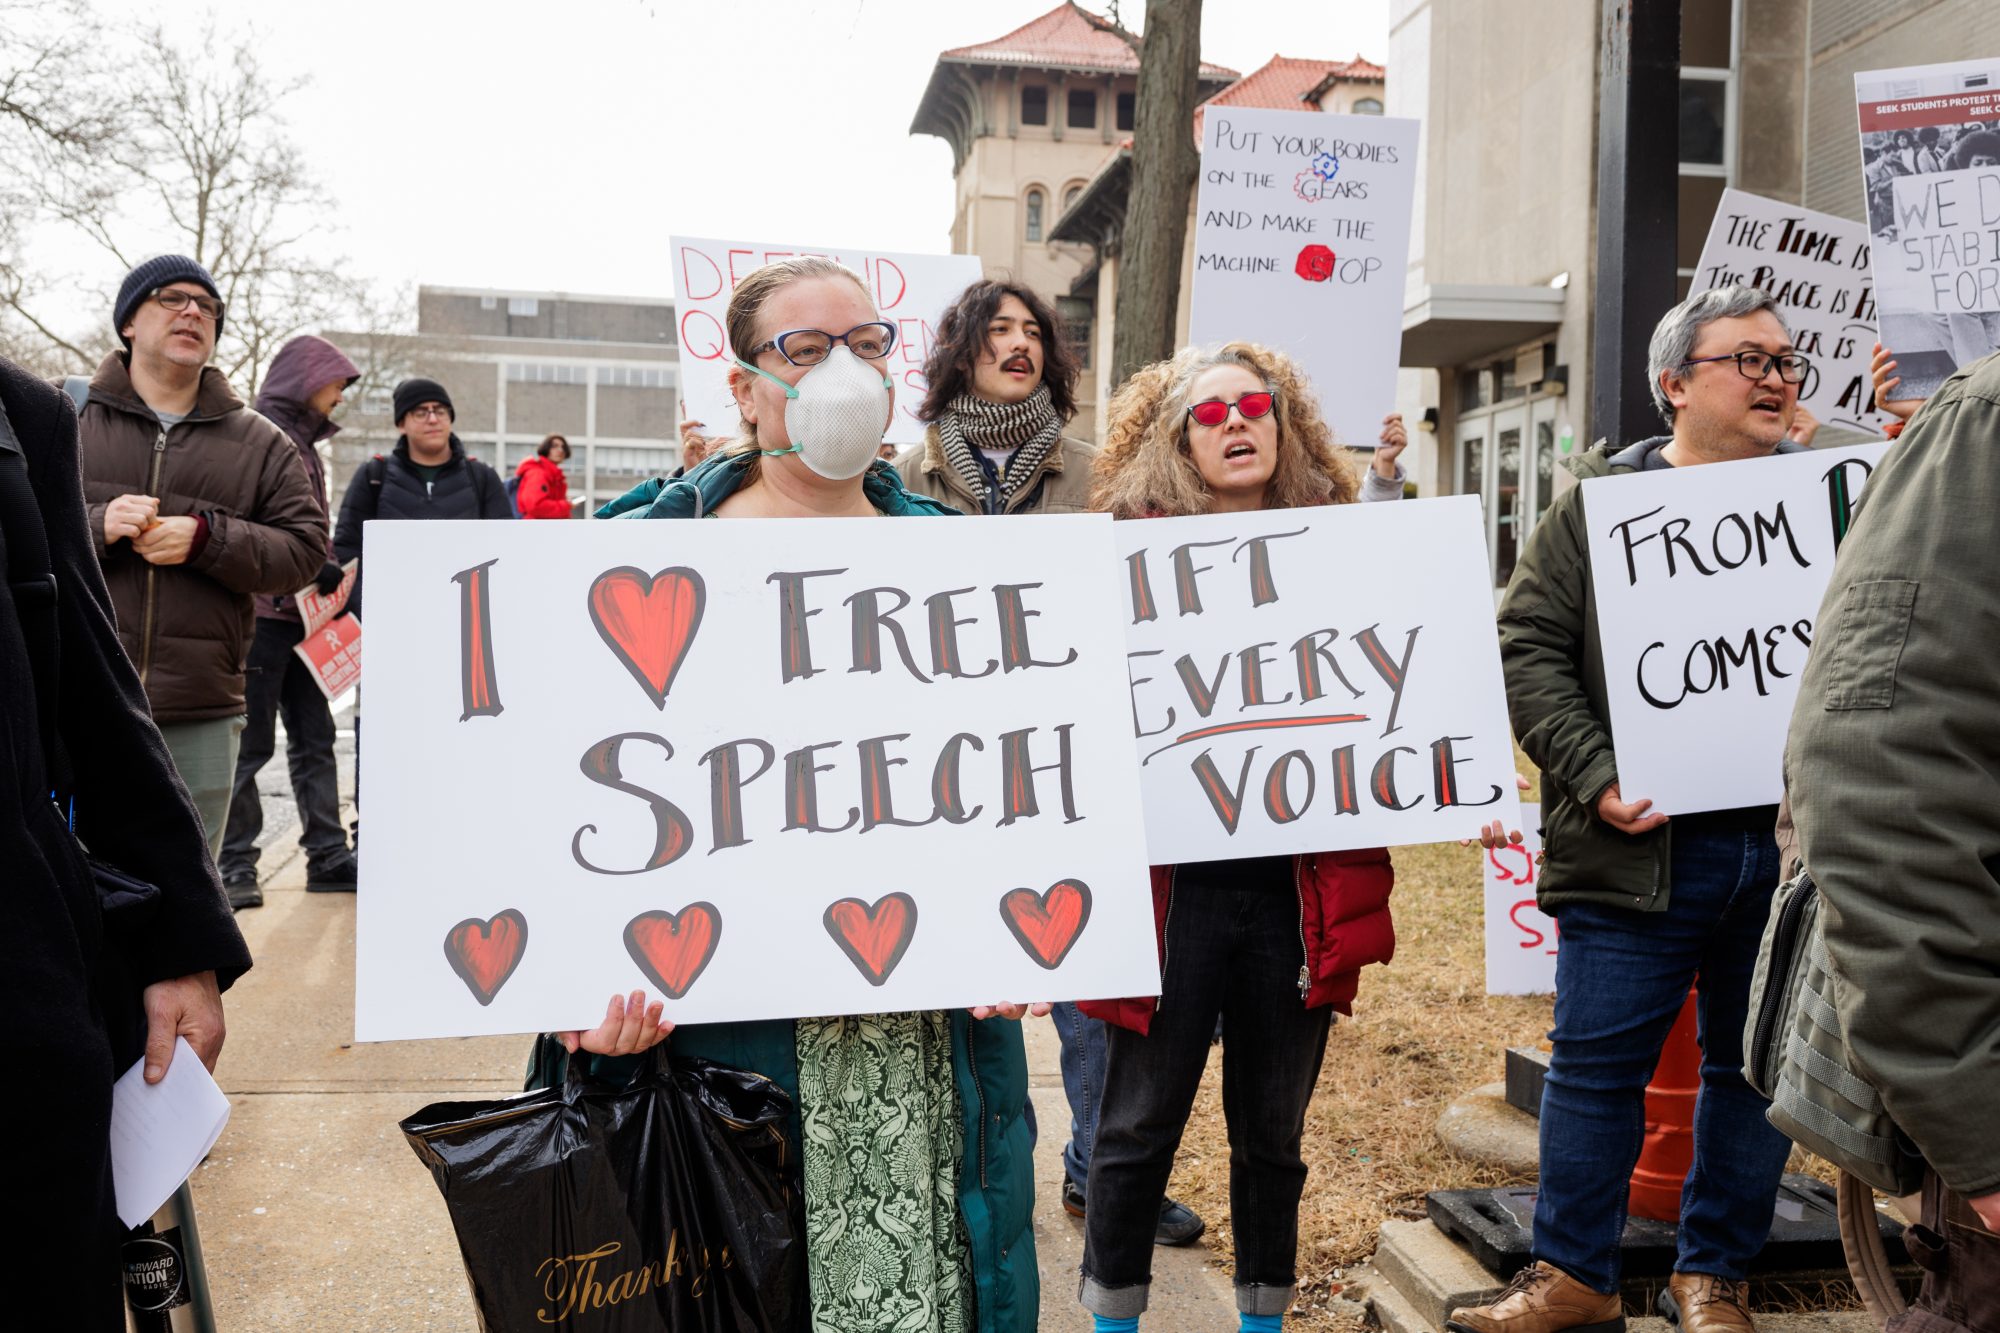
(1344, 925)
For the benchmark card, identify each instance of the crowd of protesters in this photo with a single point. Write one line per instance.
(155, 532)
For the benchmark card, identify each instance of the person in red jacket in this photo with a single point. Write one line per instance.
(541, 490)
(1273, 945)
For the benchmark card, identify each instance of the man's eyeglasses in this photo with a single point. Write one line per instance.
(1213, 411)
(432, 412)
(809, 347)
(1792, 368)
(176, 300)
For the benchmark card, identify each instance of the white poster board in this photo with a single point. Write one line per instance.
(1520, 937)
(1302, 236)
(1315, 679)
(1815, 266)
(765, 769)
(911, 291)
(1930, 168)
(1708, 580)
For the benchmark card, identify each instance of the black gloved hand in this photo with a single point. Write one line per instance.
(328, 578)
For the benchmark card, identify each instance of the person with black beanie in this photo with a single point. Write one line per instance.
(427, 475)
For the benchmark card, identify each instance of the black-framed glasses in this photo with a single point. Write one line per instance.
(1214, 411)
(1792, 368)
(809, 347)
(176, 300)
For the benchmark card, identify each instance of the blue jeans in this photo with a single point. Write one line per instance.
(1621, 979)
(1082, 1061)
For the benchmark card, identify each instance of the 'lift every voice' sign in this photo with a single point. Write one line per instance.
(1315, 679)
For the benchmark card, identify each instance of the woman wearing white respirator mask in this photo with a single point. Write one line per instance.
(919, 1208)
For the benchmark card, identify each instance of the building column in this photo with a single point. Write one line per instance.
(500, 417)
(590, 444)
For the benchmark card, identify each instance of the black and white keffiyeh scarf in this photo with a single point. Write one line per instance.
(1030, 427)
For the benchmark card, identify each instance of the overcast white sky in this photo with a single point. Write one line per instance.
(556, 144)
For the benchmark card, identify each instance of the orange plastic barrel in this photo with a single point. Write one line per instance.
(1668, 1155)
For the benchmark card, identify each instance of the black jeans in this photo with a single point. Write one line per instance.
(278, 683)
(1233, 949)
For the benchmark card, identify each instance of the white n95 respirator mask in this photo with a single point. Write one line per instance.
(835, 414)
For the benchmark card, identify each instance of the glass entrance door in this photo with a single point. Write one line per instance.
(1507, 458)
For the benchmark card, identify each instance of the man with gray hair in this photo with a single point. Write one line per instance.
(1644, 907)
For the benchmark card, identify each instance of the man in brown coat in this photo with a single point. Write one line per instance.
(201, 504)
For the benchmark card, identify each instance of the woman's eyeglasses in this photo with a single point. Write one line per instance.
(1214, 411)
(809, 347)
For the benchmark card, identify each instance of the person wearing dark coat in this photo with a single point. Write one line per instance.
(85, 1002)
(427, 475)
(301, 389)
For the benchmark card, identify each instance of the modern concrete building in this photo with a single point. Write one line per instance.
(1031, 117)
(1499, 301)
(601, 371)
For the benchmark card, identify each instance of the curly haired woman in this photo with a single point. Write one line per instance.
(1274, 944)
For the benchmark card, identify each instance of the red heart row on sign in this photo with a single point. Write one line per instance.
(673, 948)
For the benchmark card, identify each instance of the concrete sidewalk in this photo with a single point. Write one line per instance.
(314, 1212)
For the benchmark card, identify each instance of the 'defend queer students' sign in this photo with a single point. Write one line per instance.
(1708, 580)
(1315, 679)
(910, 291)
(764, 770)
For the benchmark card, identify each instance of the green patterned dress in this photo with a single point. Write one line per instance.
(884, 1140)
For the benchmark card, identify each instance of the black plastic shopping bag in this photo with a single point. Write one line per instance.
(670, 1203)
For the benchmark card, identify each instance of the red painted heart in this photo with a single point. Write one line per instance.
(672, 948)
(649, 621)
(1048, 924)
(873, 938)
(485, 953)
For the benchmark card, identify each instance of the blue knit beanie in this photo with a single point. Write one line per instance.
(149, 277)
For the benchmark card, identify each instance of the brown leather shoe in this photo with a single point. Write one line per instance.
(1704, 1303)
(1543, 1299)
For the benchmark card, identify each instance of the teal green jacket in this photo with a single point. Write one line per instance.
(996, 1188)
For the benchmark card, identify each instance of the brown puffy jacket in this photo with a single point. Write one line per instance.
(188, 626)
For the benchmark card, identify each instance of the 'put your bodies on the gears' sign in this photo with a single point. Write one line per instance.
(1708, 580)
(1302, 235)
(766, 770)
(1309, 680)
(911, 292)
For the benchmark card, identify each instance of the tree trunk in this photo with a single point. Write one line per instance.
(1164, 165)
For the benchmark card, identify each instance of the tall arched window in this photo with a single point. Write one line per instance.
(1368, 106)
(1071, 195)
(1034, 215)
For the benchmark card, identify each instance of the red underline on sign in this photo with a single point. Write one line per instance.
(1265, 724)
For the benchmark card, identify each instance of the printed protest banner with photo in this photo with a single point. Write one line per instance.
(1815, 266)
(1520, 937)
(1315, 679)
(1930, 150)
(910, 291)
(1708, 581)
(763, 770)
(316, 608)
(1302, 235)
(332, 651)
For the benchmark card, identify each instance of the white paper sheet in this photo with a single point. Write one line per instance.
(161, 1131)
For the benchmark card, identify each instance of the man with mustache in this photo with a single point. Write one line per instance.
(1644, 905)
(200, 505)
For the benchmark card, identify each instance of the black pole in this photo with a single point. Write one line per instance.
(1638, 206)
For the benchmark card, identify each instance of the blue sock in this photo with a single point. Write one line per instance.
(1260, 1323)
(1106, 1324)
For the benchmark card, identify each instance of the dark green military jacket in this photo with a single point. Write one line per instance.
(1892, 768)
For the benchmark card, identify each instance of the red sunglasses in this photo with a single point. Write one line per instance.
(1213, 411)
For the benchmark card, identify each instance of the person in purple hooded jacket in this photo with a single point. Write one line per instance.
(302, 388)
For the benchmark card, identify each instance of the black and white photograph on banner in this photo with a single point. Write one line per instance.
(1930, 151)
